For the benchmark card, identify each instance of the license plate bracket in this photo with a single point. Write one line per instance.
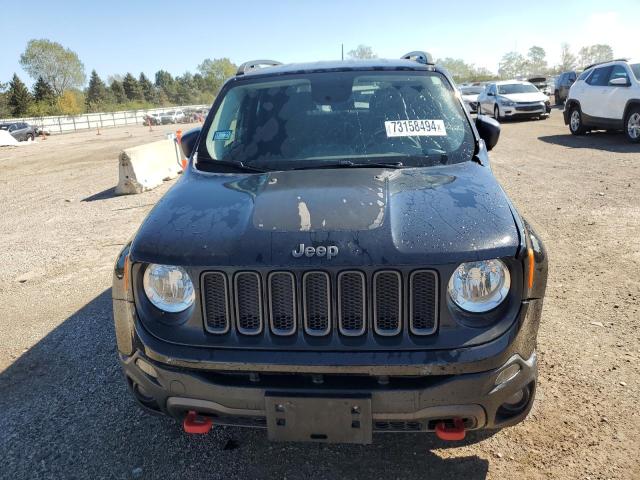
(318, 419)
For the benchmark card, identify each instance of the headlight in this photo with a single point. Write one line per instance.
(506, 102)
(478, 287)
(168, 288)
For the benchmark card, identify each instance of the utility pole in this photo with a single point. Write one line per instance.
(342, 51)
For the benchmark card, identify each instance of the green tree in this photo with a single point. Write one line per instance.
(42, 92)
(215, 72)
(568, 60)
(362, 52)
(58, 66)
(595, 54)
(131, 88)
(4, 102)
(511, 65)
(18, 97)
(97, 94)
(117, 91)
(147, 88)
(166, 85)
(186, 91)
(536, 61)
(457, 68)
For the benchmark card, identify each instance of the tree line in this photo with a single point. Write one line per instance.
(60, 79)
(514, 64)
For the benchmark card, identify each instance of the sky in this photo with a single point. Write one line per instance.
(116, 37)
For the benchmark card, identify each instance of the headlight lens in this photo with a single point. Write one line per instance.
(169, 288)
(478, 287)
(506, 102)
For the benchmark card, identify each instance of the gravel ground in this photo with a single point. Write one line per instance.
(66, 412)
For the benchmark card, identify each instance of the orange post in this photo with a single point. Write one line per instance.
(44, 137)
(183, 161)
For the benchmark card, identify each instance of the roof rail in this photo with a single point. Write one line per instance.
(253, 64)
(606, 61)
(420, 57)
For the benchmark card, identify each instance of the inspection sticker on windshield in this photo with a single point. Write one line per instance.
(413, 128)
(222, 135)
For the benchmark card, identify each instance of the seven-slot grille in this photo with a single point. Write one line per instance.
(287, 302)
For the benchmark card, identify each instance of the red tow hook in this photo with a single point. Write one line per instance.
(196, 424)
(456, 432)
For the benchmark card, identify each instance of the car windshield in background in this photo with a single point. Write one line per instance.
(635, 68)
(471, 90)
(339, 118)
(510, 88)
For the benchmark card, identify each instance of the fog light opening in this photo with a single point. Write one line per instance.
(144, 397)
(515, 403)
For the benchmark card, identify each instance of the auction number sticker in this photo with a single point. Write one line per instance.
(413, 128)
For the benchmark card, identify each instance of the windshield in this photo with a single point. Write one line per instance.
(471, 90)
(635, 68)
(322, 119)
(509, 88)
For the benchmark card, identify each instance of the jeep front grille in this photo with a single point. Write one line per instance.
(248, 296)
(352, 318)
(316, 287)
(387, 302)
(282, 303)
(317, 303)
(216, 302)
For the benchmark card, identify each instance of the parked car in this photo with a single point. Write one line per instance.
(21, 131)
(562, 86)
(152, 119)
(173, 116)
(513, 99)
(326, 268)
(542, 84)
(606, 96)
(470, 96)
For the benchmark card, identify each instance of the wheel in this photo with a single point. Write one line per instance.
(575, 122)
(496, 113)
(632, 125)
(556, 96)
(30, 137)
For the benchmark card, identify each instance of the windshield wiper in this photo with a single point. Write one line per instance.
(235, 165)
(350, 164)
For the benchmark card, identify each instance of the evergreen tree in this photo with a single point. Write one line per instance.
(131, 87)
(118, 92)
(42, 92)
(19, 98)
(97, 93)
(147, 88)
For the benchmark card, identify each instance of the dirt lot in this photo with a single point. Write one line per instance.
(65, 410)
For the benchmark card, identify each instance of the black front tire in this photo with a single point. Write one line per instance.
(496, 113)
(632, 125)
(575, 121)
(556, 96)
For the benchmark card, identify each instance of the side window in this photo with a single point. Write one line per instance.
(600, 77)
(584, 75)
(618, 71)
(571, 77)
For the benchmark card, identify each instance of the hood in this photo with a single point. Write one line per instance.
(470, 98)
(527, 97)
(374, 216)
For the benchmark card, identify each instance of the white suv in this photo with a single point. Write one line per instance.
(606, 96)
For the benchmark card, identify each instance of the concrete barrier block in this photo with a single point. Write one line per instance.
(146, 166)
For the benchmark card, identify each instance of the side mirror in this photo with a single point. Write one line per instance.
(189, 140)
(489, 130)
(490, 94)
(619, 82)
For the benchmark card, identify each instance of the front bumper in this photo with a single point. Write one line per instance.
(409, 390)
(525, 111)
(397, 404)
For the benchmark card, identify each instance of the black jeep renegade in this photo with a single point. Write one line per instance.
(336, 260)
